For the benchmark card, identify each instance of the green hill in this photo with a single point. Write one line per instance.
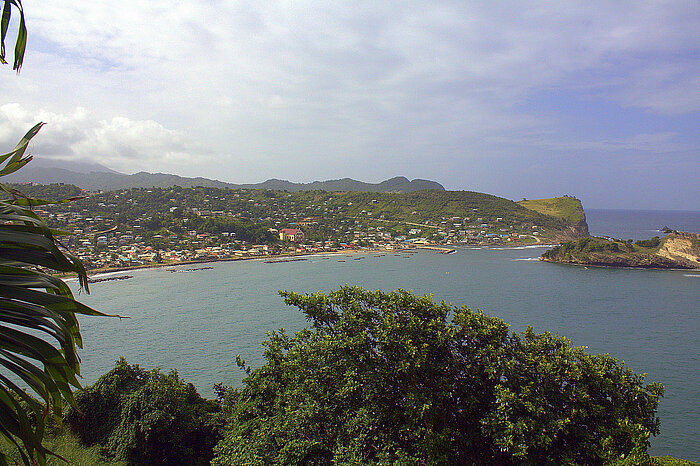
(437, 215)
(567, 208)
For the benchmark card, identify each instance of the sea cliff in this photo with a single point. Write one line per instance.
(568, 209)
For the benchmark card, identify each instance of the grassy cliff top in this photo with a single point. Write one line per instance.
(566, 208)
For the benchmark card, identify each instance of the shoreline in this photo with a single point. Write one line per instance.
(92, 273)
(624, 267)
(441, 249)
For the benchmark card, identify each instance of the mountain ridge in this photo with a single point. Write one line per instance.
(111, 180)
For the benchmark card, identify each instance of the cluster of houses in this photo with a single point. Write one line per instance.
(115, 229)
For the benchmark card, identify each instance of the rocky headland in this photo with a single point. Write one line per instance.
(677, 250)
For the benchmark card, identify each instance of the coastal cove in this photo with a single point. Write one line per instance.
(198, 321)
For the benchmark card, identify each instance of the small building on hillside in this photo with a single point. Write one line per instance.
(292, 234)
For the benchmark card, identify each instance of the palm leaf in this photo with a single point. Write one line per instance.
(21, 41)
(39, 330)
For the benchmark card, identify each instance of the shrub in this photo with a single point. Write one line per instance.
(649, 243)
(146, 417)
(384, 378)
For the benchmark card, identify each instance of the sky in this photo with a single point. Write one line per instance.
(600, 100)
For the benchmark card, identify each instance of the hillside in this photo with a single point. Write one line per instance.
(164, 218)
(567, 208)
(673, 251)
(103, 179)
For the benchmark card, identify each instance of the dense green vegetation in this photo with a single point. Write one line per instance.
(384, 378)
(585, 247)
(652, 243)
(146, 417)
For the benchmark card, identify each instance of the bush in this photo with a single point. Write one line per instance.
(649, 243)
(146, 417)
(384, 378)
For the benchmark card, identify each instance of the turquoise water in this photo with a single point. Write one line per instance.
(198, 321)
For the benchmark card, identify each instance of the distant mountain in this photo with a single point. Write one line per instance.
(70, 165)
(398, 184)
(102, 178)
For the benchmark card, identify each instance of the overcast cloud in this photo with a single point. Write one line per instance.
(519, 99)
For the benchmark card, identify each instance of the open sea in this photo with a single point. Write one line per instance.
(198, 321)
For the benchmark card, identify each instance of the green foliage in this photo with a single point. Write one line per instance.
(146, 417)
(583, 247)
(384, 378)
(39, 331)
(649, 243)
(21, 41)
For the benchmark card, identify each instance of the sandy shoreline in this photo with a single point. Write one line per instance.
(94, 273)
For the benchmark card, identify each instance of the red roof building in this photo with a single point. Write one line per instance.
(292, 234)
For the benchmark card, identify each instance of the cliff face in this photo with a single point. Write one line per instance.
(568, 209)
(683, 248)
(675, 251)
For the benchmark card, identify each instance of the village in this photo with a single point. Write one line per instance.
(139, 227)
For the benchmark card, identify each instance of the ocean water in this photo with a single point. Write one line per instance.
(640, 224)
(198, 321)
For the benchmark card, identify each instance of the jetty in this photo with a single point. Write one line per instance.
(438, 249)
(109, 279)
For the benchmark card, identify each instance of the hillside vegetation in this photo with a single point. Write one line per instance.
(389, 378)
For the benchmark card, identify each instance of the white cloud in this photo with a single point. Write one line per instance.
(121, 143)
(316, 89)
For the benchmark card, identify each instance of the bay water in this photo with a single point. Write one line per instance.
(197, 321)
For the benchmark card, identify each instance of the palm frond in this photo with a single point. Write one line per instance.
(21, 41)
(39, 330)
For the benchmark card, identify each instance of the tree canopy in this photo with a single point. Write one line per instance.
(146, 417)
(387, 378)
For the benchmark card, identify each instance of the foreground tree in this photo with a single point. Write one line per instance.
(146, 417)
(384, 378)
(39, 331)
